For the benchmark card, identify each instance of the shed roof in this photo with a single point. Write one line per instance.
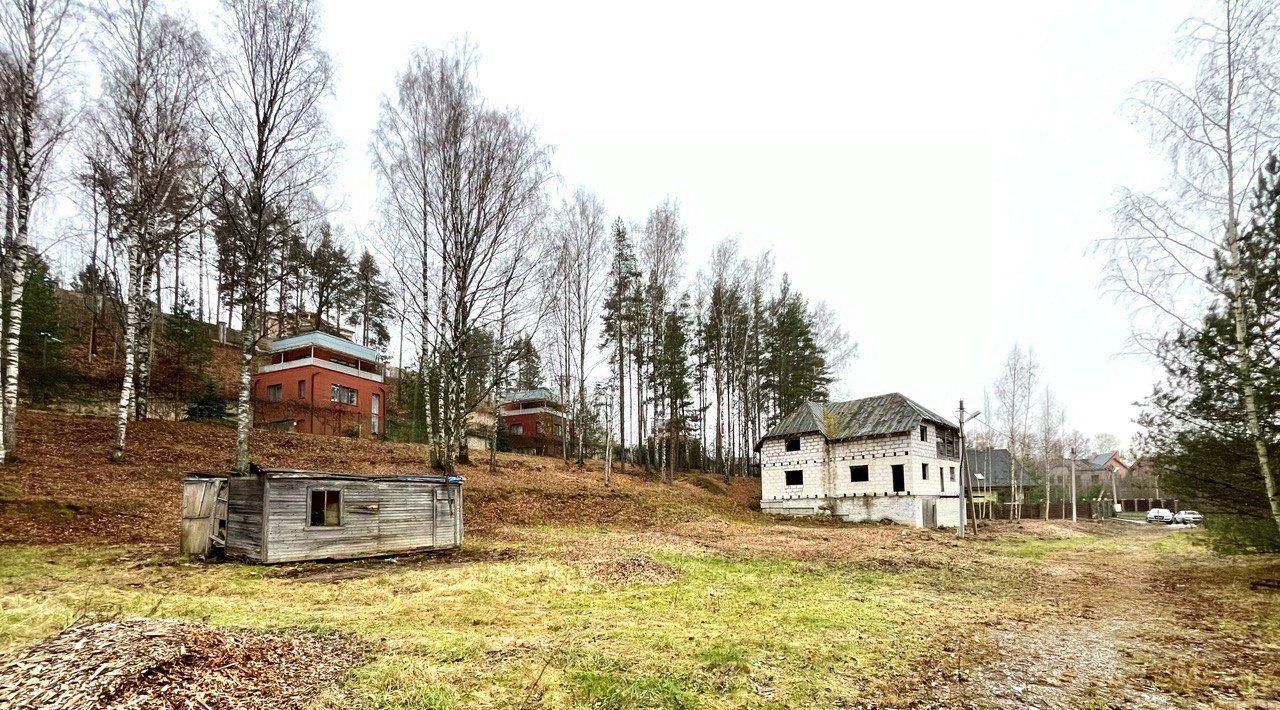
(288, 473)
(871, 416)
(326, 340)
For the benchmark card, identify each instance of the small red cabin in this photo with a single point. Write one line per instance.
(534, 422)
(320, 384)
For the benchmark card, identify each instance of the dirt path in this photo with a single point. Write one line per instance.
(1122, 625)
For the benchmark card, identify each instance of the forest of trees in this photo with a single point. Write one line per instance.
(194, 157)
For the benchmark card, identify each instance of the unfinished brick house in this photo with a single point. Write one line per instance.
(883, 457)
(320, 384)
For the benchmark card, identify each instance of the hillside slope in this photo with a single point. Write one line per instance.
(63, 489)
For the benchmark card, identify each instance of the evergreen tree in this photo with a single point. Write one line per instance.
(44, 374)
(528, 364)
(188, 347)
(372, 302)
(1195, 421)
(333, 281)
(620, 309)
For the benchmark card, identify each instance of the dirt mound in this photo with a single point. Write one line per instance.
(156, 663)
(632, 569)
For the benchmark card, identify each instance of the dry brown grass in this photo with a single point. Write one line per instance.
(62, 488)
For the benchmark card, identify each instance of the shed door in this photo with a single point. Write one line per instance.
(444, 534)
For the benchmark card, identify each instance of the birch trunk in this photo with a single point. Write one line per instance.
(1245, 368)
(125, 408)
(244, 408)
(12, 341)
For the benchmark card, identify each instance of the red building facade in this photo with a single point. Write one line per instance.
(320, 384)
(534, 422)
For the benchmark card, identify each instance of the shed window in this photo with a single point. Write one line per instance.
(517, 429)
(924, 433)
(302, 389)
(343, 395)
(275, 392)
(795, 478)
(793, 444)
(924, 471)
(953, 473)
(859, 474)
(326, 508)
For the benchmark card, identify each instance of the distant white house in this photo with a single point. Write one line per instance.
(884, 457)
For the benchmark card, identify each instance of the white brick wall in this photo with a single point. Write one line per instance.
(828, 489)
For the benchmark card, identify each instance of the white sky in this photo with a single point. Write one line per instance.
(934, 171)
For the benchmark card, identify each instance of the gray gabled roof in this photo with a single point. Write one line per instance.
(871, 416)
(991, 464)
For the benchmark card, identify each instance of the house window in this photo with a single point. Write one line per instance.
(342, 395)
(302, 389)
(953, 473)
(793, 444)
(859, 474)
(924, 471)
(924, 433)
(795, 478)
(537, 427)
(275, 392)
(326, 508)
(559, 429)
(517, 429)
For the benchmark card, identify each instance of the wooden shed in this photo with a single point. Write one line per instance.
(274, 515)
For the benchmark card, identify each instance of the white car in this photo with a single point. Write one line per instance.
(1160, 515)
(1188, 517)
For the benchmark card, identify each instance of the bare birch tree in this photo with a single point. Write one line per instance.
(269, 147)
(144, 138)
(36, 49)
(473, 180)
(1218, 130)
(582, 263)
(1014, 391)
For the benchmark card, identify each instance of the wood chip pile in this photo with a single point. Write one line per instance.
(157, 663)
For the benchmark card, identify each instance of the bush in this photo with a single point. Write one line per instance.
(208, 404)
(1236, 534)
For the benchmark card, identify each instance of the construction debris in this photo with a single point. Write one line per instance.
(159, 663)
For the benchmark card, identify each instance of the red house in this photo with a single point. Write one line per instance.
(320, 384)
(534, 422)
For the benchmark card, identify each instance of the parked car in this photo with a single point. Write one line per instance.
(1188, 517)
(1160, 515)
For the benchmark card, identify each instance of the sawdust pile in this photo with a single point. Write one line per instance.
(157, 663)
(632, 569)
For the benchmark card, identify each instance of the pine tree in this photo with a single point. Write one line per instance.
(44, 374)
(373, 302)
(620, 308)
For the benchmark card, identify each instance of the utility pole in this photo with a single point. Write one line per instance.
(966, 485)
(1073, 484)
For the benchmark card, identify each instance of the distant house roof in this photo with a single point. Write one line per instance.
(325, 340)
(1103, 458)
(991, 464)
(871, 416)
(1088, 465)
(526, 395)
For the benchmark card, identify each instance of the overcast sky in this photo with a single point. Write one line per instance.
(934, 171)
